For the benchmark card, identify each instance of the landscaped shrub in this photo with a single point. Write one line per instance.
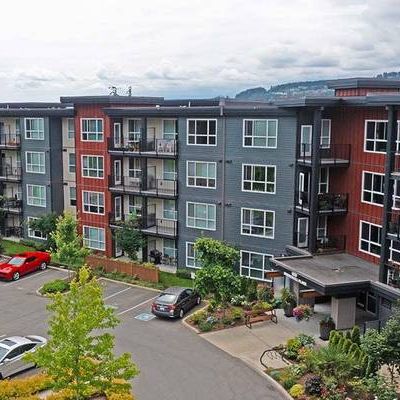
(227, 320)
(292, 348)
(237, 313)
(296, 390)
(275, 374)
(183, 273)
(212, 306)
(20, 388)
(238, 300)
(197, 317)
(313, 385)
(205, 326)
(355, 335)
(261, 306)
(306, 340)
(56, 286)
(265, 293)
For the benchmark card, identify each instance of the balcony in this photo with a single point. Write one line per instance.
(163, 148)
(8, 231)
(334, 155)
(324, 245)
(328, 203)
(10, 141)
(10, 173)
(11, 205)
(162, 188)
(393, 225)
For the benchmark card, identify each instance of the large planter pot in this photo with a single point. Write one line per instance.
(288, 310)
(325, 328)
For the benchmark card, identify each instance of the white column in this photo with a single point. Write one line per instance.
(343, 312)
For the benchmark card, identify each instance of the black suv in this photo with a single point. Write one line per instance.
(174, 302)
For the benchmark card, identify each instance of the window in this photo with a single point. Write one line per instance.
(36, 195)
(34, 128)
(169, 129)
(370, 238)
(93, 238)
(169, 210)
(169, 250)
(322, 228)
(92, 129)
(191, 259)
(72, 196)
(254, 265)
(258, 178)
(396, 195)
(93, 202)
(325, 133)
(134, 130)
(323, 180)
(169, 170)
(135, 205)
(134, 168)
(35, 162)
(93, 166)
(394, 255)
(260, 133)
(32, 233)
(258, 223)
(372, 188)
(71, 163)
(201, 174)
(201, 216)
(202, 132)
(375, 136)
(71, 128)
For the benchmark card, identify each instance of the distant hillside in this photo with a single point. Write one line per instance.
(297, 89)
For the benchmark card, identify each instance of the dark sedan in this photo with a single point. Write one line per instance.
(174, 302)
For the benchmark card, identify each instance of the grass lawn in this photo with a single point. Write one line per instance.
(167, 279)
(10, 248)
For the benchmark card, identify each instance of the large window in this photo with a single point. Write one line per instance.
(169, 129)
(370, 238)
(169, 209)
(372, 189)
(258, 178)
(94, 238)
(71, 163)
(202, 132)
(34, 128)
(201, 216)
(375, 136)
(36, 195)
(201, 174)
(92, 129)
(260, 133)
(169, 170)
(93, 166)
(34, 233)
(259, 223)
(134, 130)
(93, 202)
(71, 128)
(254, 265)
(191, 260)
(72, 196)
(325, 133)
(35, 162)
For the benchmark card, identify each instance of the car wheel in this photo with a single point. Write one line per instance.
(198, 300)
(16, 276)
(43, 266)
(181, 313)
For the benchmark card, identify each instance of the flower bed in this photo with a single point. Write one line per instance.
(56, 286)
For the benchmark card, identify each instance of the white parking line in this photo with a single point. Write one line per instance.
(25, 278)
(137, 305)
(117, 293)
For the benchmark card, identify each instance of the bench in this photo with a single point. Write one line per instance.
(250, 318)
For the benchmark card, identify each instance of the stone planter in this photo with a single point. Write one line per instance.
(288, 310)
(325, 328)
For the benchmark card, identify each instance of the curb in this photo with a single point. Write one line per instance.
(190, 326)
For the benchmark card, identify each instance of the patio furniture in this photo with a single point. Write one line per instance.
(251, 318)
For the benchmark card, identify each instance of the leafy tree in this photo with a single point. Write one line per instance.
(47, 225)
(211, 252)
(68, 243)
(129, 236)
(77, 356)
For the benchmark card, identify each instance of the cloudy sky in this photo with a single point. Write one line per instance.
(189, 47)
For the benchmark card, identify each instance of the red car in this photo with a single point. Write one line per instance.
(24, 263)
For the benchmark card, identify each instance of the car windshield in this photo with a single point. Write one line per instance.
(3, 352)
(17, 261)
(167, 298)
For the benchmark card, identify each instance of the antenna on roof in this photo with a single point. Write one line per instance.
(129, 91)
(113, 90)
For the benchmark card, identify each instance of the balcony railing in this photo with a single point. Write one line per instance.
(8, 172)
(325, 244)
(10, 140)
(157, 257)
(334, 154)
(159, 227)
(327, 202)
(153, 147)
(11, 205)
(8, 231)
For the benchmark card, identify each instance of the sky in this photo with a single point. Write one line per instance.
(190, 48)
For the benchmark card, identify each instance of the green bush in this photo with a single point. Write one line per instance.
(197, 317)
(56, 286)
(292, 348)
(227, 320)
(261, 306)
(275, 374)
(296, 391)
(306, 340)
(237, 313)
(355, 335)
(205, 326)
(183, 273)
(212, 306)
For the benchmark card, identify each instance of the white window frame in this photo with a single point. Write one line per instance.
(375, 140)
(250, 267)
(206, 135)
(34, 134)
(252, 181)
(31, 232)
(174, 211)
(393, 250)
(371, 191)
(166, 134)
(195, 261)
(329, 122)
(91, 169)
(208, 205)
(29, 198)
(86, 241)
(71, 165)
(174, 174)
(267, 133)
(98, 134)
(322, 227)
(69, 131)
(396, 197)
(118, 206)
(320, 183)
(40, 166)
(72, 198)
(369, 240)
(309, 137)
(264, 227)
(195, 177)
(88, 205)
(134, 136)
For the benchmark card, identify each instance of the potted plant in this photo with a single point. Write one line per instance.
(303, 311)
(288, 302)
(326, 325)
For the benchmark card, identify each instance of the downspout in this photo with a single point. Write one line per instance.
(223, 172)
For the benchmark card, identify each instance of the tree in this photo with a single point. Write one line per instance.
(211, 251)
(129, 236)
(46, 225)
(77, 356)
(68, 243)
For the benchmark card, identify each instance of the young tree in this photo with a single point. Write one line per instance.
(77, 356)
(68, 243)
(46, 225)
(129, 236)
(211, 252)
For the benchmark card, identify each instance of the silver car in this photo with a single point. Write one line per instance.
(12, 351)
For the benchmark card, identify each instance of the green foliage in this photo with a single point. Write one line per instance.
(289, 377)
(355, 335)
(261, 306)
(379, 387)
(183, 273)
(249, 289)
(211, 252)
(56, 286)
(292, 348)
(287, 298)
(237, 313)
(306, 340)
(205, 326)
(129, 236)
(10, 247)
(198, 316)
(348, 335)
(68, 243)
(313, 385)
(78, 357)
(265, 293)
(296, 390)
(46, 225)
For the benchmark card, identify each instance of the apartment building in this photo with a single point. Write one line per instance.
(31, 164)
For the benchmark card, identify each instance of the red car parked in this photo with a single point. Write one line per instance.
(23, 263)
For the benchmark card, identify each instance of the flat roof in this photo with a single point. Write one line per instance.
(111, 100)
(360, 82)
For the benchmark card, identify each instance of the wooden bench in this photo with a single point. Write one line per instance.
(250, 318)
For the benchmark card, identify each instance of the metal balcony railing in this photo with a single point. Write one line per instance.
(152, 147)
(11, 205)
(9, 172)
(327, 202)
(325, 244)
(334, 154)
(10, 140)
(8, 231)
(159, 226)
(162, 187)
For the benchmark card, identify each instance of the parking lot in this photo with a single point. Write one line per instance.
(175, 362)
